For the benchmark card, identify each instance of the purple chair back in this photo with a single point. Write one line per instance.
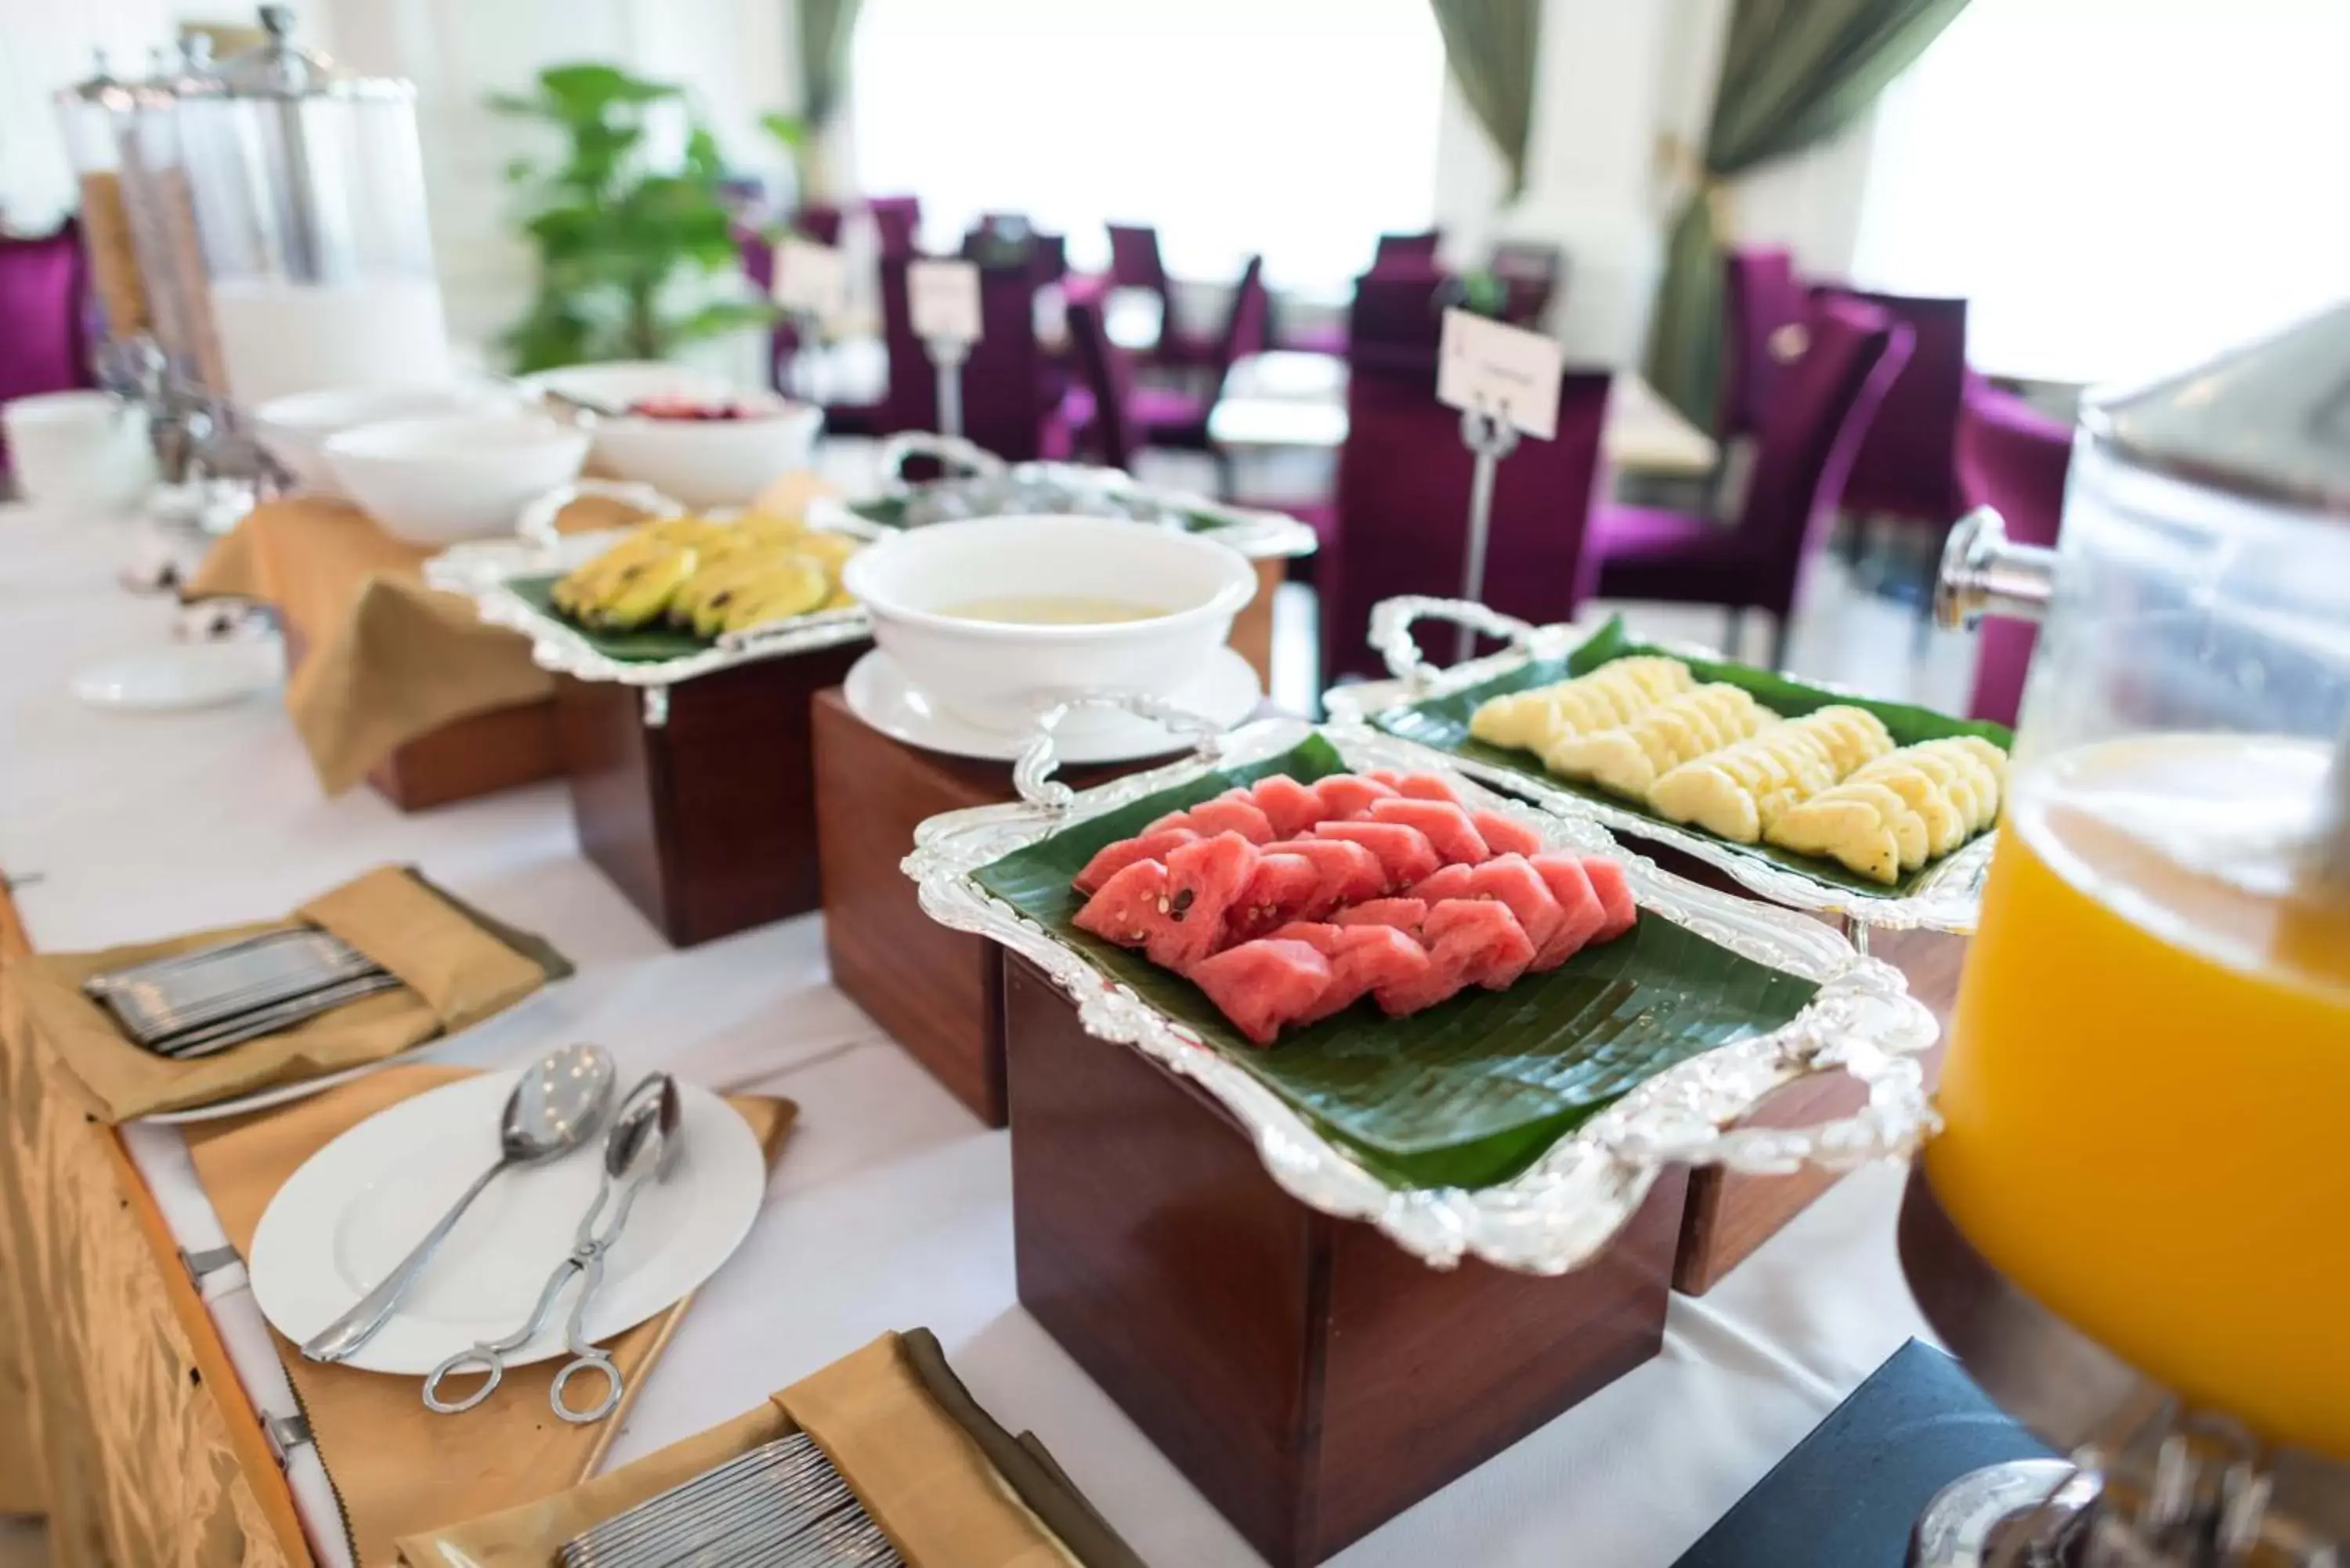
(2013, 458)
(819, 222)
(1405, 250)
(1003, 400)
(1908, 466)
(1818, 417)
(1134, 260)
(1403, 505)
(1760, 295)
(44, 289)
(1107, 376)
(1394, 320)
(896, 218)
(1246, 324)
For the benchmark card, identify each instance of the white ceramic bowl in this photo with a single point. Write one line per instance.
(712, 463)
(463, 476)
(999, 675)
(617, 383)
(295, 429)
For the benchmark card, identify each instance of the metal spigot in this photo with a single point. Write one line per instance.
(1983, 574)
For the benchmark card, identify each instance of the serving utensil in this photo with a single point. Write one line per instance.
(782, 1503)
(639, 1149)
(553, 1109)
(208, 999)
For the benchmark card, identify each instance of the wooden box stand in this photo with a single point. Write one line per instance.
(939, 993)
(705, 820)
(1310, 1377)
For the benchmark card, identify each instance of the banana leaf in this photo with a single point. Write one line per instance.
(1468, 1093)
(1442, 722)
(653, 644)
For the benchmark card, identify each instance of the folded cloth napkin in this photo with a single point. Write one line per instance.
(393, 1466)
(949, 1487)
(456, 967)
(382, 658)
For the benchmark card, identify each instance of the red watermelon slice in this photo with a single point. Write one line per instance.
(1418, 786)
(1446, 825)
(1452, 882)
(1404, 914)
(1130, 907)
(1505, 835)
(1204, 880)
(1282, 888)
(1345, 796)
(1361, 958)
(1114, 858)
(1289, 806)
(1614, 896)
(1493, 949)
(1233, 813)
(1405, 854)
(1579, 902)
(1173, 819)
(1350, 873)
(1517, 886)
(1262, 985)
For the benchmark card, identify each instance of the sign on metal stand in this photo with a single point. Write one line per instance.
(1505, 380)
(811, 284)
(943, 298)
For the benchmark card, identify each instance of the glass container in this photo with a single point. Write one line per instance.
(91, 115)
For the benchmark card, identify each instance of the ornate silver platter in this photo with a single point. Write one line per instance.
(1561, 1211)
(980, 485)
(1948, 897)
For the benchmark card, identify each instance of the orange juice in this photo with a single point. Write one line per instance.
(2147, 1093)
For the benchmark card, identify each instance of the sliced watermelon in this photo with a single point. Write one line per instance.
(1404, 914)
(1345, 796)
(1204, 880)
(1350, 873)
(1282, 888)
(1130, 907)
(1405, 854)
(1504, 834)
(1451, 882)
(1578, 901)
(1446, 825)
(1173, 819)
(1289, 806)
(1262, 985)
(1614, 896)
(1233, 813)
(1361, 958)
(1418, 786)
(1510, 881)
(1492, 947)
(1114, 858)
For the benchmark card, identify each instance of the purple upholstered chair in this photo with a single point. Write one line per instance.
(1134, 263)
(819, 221)
(1403, 508)
(43, 287)
(1004, 406)
(1406, 250)
(2013, 458)
(1908, 467)
(897, 221)
(1396, 319)
(1120, 417)
(1817, 417)
(1761, 300)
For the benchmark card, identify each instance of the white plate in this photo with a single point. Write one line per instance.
(357, 1206)
(175, 675)
(877, 692)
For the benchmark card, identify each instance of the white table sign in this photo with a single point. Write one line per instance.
(1490, 367)
(944, 298)
(811, 279)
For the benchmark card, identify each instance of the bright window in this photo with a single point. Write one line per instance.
(2119, 187)
(1301, 128)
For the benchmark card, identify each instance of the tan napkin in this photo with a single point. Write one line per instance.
(384, 658)
(396, 1467)
(456, 968)
(903, 1431)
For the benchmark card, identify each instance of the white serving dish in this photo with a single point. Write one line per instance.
(702, 462)
(295, 429)
(999, 676)
(613, 385)
(456, 477)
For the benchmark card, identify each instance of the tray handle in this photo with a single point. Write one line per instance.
(955, 453)
(1898, 1118)
(536, 523)
(1391, 638)
(1031, 775)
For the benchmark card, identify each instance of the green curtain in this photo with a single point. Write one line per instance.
(1489, 47)
(1793, 73)
(824, 29)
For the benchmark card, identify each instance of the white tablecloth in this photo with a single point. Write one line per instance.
(892, 1206)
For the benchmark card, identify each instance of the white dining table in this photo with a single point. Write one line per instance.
(891, 1206)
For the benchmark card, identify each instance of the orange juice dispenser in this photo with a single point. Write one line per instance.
(2134, 1226)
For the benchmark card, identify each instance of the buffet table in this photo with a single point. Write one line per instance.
(890, 1206)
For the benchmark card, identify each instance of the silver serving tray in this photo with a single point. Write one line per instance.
(1564, 1210)
(980, 485)
(1949, 897)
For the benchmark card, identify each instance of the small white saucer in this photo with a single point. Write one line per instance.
(1225, 693)
(174, 676)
